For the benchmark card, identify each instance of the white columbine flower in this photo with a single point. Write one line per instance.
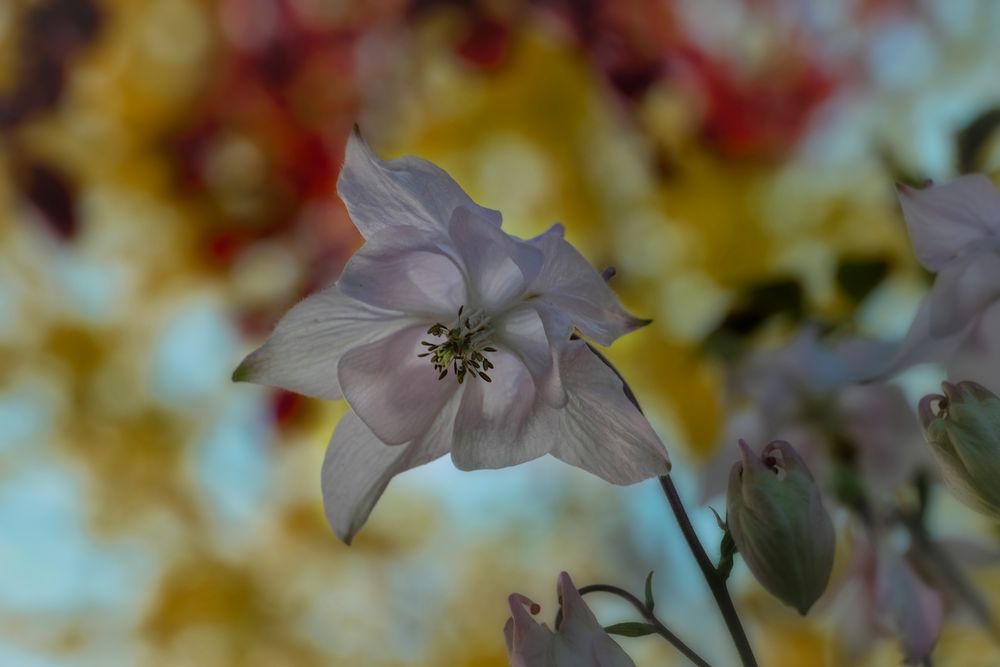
(444, 333)
(955, 230)
(580, 641)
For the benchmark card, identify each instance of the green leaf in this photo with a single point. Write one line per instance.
(649, 592)
(726, 552)
(631, 629)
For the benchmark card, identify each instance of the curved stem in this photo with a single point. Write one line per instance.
(715, 582)
(658, 625)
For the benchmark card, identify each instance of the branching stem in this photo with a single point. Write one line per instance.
(650, 617)
(715, 582)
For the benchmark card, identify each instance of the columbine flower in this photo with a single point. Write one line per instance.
(779, 524)
(802, 392)
(580, 641)
(964, 435)
(955, 230)
(444, 333)
(880, 593)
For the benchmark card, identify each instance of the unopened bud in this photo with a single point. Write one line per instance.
(964, 435)
(779, 524)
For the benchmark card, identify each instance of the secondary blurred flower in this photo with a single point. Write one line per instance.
(881, 593)
(955, 230)
(779, 524)
(445, 333)
(964, 435)
(579, 641)
(863, 437)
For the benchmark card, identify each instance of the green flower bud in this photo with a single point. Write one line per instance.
(779, 525)
(964, 435)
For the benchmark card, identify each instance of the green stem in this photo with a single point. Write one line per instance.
(650, 617)
(715, 582)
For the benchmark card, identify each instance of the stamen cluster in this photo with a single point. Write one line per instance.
(462, 348)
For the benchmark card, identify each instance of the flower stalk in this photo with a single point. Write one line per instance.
(647, 614)
(715, 579)
(716, 582)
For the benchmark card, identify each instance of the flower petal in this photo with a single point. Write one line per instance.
(499, 266)
(357, 468)
(406, 269)
(581, 638)
(568, 282)
(978, 357)
(878, 418)
(580, 641)
(500, 423)
(308, 342)
(529, 643)
(913, 610)
(408, 191)
(522, 331)
(944, 219)
(918, 346)
(396, 393)
(600, 430)
(962, 290)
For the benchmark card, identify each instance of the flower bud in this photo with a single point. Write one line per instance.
(779, 525)
(579, 641)
(964, 435)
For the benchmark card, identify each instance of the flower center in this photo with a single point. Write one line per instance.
(463, 348)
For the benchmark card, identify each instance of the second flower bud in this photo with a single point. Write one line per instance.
(778, 522)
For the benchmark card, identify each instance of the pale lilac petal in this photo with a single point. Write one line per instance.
(302, 353)
(522, 332)
(568, 282)
(962, 290)
(827, 365)
(978, 357)
(408, 191)
(856, 618)
(918, 347)
(358, 467)
(581, 639)
(529, 643)
(912, 610)
(395, 392)
(498, 266)
(891, 447)
(406, 269)
(945, 219)
(600, 430)
(500, 423)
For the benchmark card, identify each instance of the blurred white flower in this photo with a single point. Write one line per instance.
(802, 392)
(444, 333)
(880, 593)
(955, 231)
(579, 641)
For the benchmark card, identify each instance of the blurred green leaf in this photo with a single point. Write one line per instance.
(631, 629)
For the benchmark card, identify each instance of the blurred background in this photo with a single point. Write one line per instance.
(167, 191)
